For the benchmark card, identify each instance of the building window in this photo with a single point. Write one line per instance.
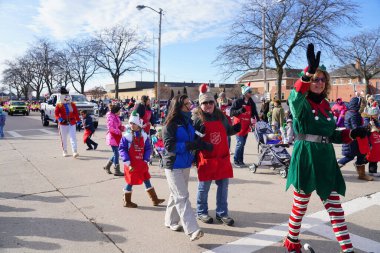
(334, 81)
(350, 81)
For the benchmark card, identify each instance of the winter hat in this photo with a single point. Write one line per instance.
(135, 119)
(245, 88)
(373, 111)
(63, 90)
(204, 94)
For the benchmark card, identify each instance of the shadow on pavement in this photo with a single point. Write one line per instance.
(15, 228)
(34, 197)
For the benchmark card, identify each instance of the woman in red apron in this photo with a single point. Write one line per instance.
(244, 111)
(145, 112)
(135, 150)
(213, 164)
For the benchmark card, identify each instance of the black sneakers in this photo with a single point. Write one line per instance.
(240, 164)
(225, 220)
(205, 218)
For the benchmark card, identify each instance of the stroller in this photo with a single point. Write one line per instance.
(158, 150)
(272, 153)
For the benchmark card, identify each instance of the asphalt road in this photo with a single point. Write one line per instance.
(56, 204)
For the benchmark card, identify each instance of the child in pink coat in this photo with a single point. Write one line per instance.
(113, 137)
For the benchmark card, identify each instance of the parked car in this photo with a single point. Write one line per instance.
(15, 107)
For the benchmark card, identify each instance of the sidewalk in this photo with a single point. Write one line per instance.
(56, 204)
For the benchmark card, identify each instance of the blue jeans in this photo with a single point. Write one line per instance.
(1, 131)
(239, 151)
(360, 159)
(147, 183)
(115, 157)
(221, 197)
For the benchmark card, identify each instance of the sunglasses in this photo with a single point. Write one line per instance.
(208, 103)
(322, 79)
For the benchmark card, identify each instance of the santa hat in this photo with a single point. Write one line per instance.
(245, 88)
(135, 119)
(204, 94)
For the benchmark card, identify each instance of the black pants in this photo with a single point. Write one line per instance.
(372, 167)
(90, 143)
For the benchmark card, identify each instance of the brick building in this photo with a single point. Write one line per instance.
(344, 82)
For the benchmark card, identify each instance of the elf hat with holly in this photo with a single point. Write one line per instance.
(135, 119)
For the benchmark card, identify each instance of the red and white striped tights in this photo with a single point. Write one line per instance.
(336, 213)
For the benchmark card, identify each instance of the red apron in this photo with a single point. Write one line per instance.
(140, 171)
(223, 108)
(245, 121)
(87, 133)
(215, 165)
(146, 120)
(374, 153)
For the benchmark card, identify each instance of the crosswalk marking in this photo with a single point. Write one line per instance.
(312, 222)
(14, 134)
(47, 131)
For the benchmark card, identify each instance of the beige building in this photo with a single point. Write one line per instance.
(136, 89)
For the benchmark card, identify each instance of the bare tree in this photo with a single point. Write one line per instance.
(18, 76)
(37, 69)
(81, 63)
(364, 50)
(119, 50)
(47, 54)
(96, 92)
(289, 25)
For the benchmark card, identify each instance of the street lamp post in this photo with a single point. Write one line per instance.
(140, 7)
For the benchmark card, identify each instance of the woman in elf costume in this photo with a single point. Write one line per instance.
(135, 150)
(315, 131)
(213, 164)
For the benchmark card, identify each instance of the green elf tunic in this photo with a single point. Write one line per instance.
(313, 165)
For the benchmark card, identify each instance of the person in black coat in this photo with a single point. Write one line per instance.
(243, 110)
(89, 129)
(353, 120)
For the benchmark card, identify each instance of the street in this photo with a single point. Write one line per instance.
(57, 204)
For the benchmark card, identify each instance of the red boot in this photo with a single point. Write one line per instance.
(293, 246)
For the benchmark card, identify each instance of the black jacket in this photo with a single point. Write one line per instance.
(352, 120)
(238, 104)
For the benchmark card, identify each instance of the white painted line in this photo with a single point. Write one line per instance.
(270, 236)
(14, 134)
(48, 131)
(359, 242)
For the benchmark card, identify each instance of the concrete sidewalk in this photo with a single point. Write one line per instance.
(56, 204)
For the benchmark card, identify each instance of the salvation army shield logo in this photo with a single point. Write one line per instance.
(215, 138)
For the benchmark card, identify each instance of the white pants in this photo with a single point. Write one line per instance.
(64, 131)
(179, 206)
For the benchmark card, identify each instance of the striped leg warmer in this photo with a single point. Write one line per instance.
(336, 213)
(300, 201)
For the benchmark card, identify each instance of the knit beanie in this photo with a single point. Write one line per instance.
(204, 94)
(135, 118)
(245, 88)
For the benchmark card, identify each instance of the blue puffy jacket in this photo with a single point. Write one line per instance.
(176, 134)
(352, 120)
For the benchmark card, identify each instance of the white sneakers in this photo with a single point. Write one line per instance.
(65, 154)
(196, 235)
(374, 174)
(175, 227)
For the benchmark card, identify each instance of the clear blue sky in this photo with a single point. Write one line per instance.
(192, 30)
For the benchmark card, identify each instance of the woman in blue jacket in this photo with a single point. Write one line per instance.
(180, 143)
